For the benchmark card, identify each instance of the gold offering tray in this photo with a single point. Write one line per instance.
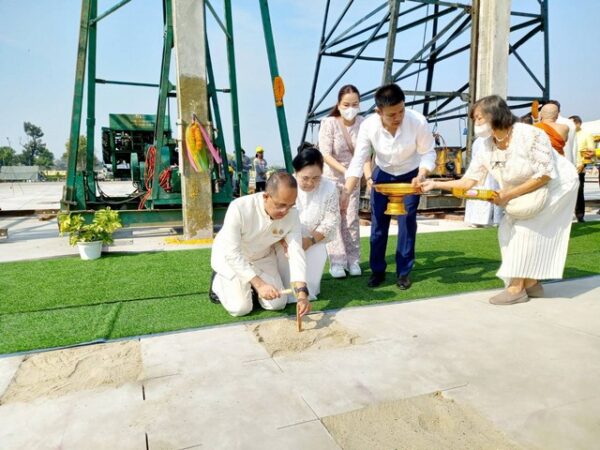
(474, 194)
(395, 193)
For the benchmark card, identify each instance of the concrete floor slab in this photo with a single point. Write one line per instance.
(231, 407)
(199, 351)
(562, 427)
(95, 419)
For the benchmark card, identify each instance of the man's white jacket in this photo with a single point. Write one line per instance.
(248, 235)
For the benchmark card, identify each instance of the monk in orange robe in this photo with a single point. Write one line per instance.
(557, 132)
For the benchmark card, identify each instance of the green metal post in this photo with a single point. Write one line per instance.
(159, 126)
(164, 86)
(283, 130)
(91, 102)
(235, 114)
(69, 192)
(212, 95)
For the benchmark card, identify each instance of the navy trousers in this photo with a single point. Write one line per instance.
(380, 225)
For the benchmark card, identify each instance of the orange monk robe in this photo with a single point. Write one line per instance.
(558, 143)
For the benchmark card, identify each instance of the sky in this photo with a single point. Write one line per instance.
(38, 45)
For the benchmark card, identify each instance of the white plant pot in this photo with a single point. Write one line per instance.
(90, 250)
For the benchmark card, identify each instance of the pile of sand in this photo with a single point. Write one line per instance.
(318, 331)
(55, 373)
(423, 422)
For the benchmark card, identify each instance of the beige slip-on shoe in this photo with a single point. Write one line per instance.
(537, 290)
(506, 298)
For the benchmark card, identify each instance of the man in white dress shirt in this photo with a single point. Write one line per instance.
(243, 258)
(404, 153)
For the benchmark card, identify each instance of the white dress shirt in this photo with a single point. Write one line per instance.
(570, 150)
(411, 147)
(248, 234)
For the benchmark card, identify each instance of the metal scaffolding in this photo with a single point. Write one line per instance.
(444, 28)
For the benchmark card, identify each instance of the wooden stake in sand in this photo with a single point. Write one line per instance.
(298, 319)
(298, 316)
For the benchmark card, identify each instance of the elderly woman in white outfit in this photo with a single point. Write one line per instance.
(318, 208)
(538, 189)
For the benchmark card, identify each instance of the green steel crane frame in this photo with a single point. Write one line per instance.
(80, 190)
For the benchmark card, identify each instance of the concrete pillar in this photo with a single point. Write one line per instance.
(492, 48)
(190, 63)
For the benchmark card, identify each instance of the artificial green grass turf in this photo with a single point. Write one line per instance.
(65, 301)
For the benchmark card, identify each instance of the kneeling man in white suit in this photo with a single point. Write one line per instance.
(243, 254)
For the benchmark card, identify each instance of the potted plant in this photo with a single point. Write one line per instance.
(89, 237)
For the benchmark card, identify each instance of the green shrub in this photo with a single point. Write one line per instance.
(105, 223)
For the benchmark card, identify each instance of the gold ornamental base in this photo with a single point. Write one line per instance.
(395, 193)
(395, 206)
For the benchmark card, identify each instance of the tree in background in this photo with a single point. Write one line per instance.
(81, 155)
(8, 156)
(35, 152)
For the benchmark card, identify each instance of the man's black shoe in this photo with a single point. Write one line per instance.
(211, 294)
(403, 282)
(376, 279)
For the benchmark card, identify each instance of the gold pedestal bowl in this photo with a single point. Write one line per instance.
(395, 193)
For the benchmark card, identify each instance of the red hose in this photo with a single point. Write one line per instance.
(148, 175)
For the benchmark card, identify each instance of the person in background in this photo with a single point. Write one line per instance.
(557, 132)
(243, 257)
(260, 169)
(245, 175)
(404, 153)
(337, 140)
(585, 155)
(570, 150)
(521, 159)
(318, 209)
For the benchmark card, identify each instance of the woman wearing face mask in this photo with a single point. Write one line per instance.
(337, 138)
(318, 208)
(533, 245)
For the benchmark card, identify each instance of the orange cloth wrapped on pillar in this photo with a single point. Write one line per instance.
(556, 140)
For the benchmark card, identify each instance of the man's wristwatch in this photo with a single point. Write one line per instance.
(297, 290)
(312, 239)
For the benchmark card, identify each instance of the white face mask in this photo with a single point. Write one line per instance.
(349, 113)
(483, 131)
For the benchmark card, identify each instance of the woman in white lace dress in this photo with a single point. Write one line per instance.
(522, 160)
(318, 207)
(337, 138)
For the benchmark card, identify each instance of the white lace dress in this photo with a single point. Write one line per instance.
(319, 211)
(533, 248)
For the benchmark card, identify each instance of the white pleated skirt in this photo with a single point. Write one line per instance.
(536, 248)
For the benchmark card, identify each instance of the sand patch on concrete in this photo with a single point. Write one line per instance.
(423, 422)
(319, 331)
(55, 373)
